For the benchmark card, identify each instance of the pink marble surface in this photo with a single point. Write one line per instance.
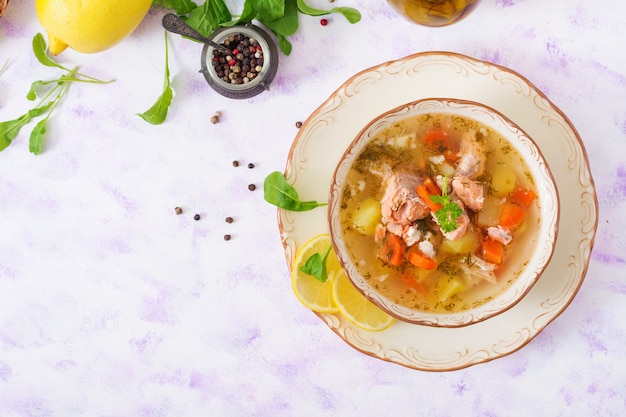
(112, 305)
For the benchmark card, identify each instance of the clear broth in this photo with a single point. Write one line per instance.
(400, 147)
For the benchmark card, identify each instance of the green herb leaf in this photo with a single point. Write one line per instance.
(208, 17)
(156, 114)
(32, 93)
(316, 266)
(10, 129)
(36, 141)
(221, 11)
(277, 191)
(181, 7)
(449, 212)
(284, 45)
(285, 25)
(270, 9)
(351, 14)
(39, 110)
(247, 14)
(39, 48)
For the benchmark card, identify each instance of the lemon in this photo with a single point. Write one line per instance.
(357, 309)
(311, 292)
(336, 294)
(89, 25)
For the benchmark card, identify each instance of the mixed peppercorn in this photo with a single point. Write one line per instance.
(243, 64)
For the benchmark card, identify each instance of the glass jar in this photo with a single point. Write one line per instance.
(434, 12)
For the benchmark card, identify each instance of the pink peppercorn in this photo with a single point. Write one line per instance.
(324, 22)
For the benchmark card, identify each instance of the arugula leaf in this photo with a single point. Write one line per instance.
(39, 110)
(10, 129)
(156, 114)
(352, 15)
(449, 212)
(37, 136)
(315, 266)
(32, 94)
(39, 48)
(277, 191)
(35, 144)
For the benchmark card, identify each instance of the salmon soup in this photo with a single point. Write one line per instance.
(435, 209)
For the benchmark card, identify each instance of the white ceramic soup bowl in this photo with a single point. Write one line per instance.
(525, 261)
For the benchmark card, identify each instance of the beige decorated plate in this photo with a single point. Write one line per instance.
(327, 133)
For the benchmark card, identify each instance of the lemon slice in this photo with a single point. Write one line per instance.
(309, 291)
(357, 309)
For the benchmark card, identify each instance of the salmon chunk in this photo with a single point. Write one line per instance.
(400, 203)
(470, 192)
(473, 156)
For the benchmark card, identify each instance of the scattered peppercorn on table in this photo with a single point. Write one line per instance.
(143, 272)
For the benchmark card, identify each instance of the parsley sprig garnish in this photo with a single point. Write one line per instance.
(449, 212)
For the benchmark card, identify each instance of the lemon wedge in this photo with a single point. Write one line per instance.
(356, 308)
(312, 293)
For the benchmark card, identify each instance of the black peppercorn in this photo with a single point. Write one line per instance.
(196, 217)
(235, 163)
(229, 219)
(250, 165)
(251, 187)
(226, 237)
(236, 68)
(298, 124)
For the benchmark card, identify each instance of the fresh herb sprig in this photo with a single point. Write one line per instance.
(156, 114)
(53, 92)
(449, 212)
(279, 16)
(277, 191)
(315, 265)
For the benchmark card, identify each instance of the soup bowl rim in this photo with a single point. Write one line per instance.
(549, 212)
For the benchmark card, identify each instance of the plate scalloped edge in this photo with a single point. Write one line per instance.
(328, 131)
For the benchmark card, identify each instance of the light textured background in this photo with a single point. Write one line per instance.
(111, 305)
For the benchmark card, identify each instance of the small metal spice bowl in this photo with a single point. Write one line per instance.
(216, 46)
(240, 80)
